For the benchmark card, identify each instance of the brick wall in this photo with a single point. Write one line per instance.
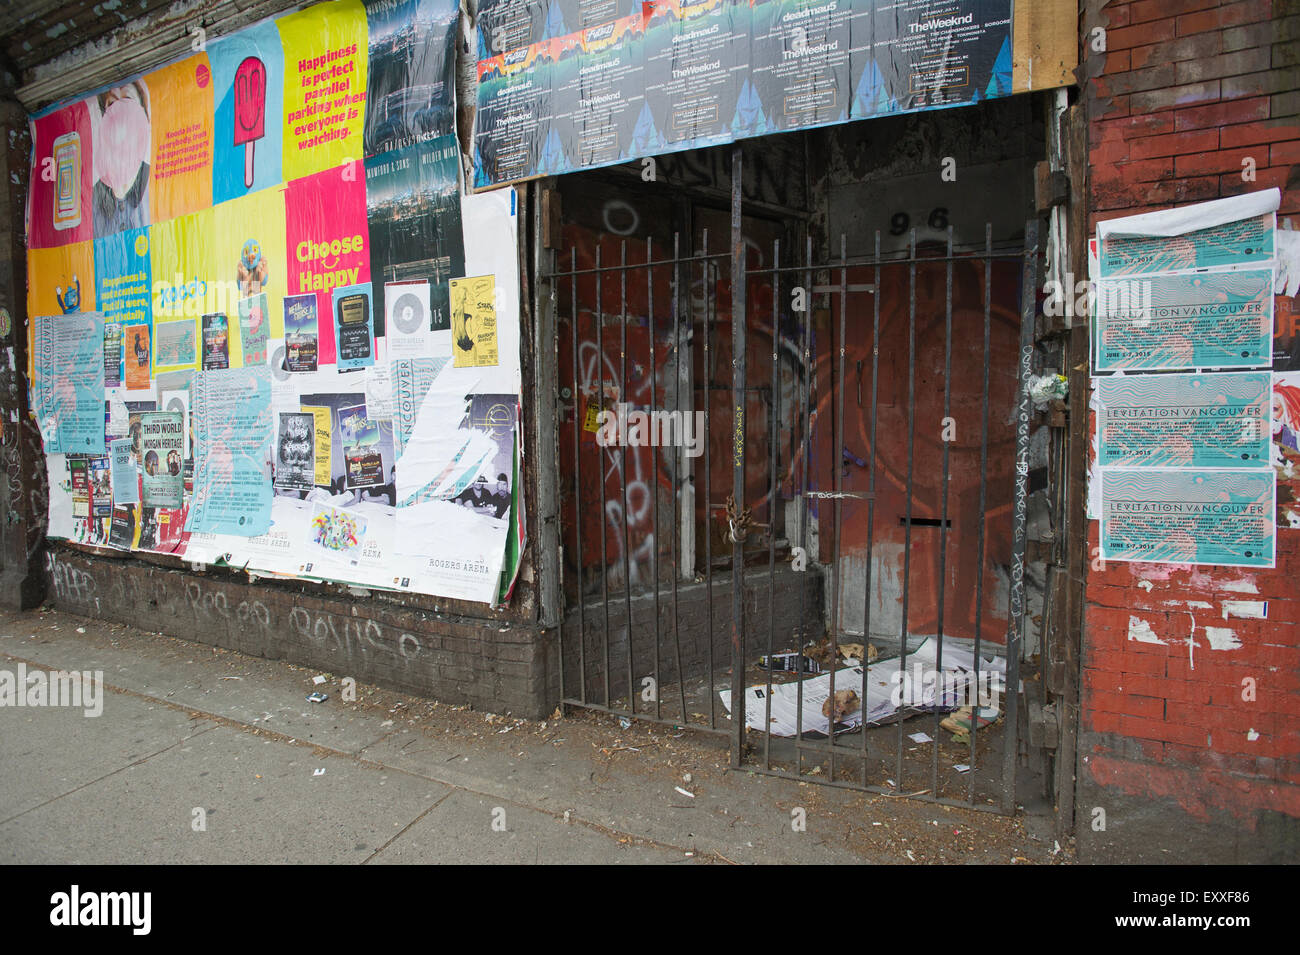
(1184, 765)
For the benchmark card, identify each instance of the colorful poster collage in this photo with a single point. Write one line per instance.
(565, 85)
(226, 256)
(1196, 433)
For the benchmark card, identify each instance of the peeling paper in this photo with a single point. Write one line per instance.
(1246, 609)
(1140, 630)
(1146, 585)
(1222, 638)
(1244, 586)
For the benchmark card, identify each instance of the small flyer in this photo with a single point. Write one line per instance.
(301, 332)
(474, 321)
(162, 440)
(295, 459)
(254, 328)
(354, 327)
(136, 357)
(216, 342)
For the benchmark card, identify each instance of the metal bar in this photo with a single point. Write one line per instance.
(911, 447)
(653, 483)
(984, 484)
(577, 490)
(600, 471)
(806, 436)
(774, 432)
(1016, 623)
(622, 480)
(871, 489)
(738, 369)
(838, 458)
(943, 516)
(708, 471)
(678, 501)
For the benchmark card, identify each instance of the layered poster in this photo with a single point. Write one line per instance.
(573, 84)
(1192, 516)
(231, 251)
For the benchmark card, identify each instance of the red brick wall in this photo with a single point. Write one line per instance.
(1184, 91)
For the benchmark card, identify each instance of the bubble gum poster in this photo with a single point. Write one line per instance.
(121, 123)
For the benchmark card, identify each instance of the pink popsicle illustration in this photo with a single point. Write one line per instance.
(250, 110)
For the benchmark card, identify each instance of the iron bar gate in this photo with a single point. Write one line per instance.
(644, 635)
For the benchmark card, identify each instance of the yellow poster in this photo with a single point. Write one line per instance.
(186, 286)
(61, 280)
(324, 443)
(326, 52)
(248, 252)
(180, 159)
(474, 321)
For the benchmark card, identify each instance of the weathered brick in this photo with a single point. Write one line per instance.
(1222, 114)
(1142, 34)
(1172, 97)
(1202, 164)
(1227, 15)
(1228, 64)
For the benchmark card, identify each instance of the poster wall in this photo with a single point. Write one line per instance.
(234, 261)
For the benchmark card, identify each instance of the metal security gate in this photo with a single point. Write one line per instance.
(848, 465)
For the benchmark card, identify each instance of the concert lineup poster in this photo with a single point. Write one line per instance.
(162, 444)
(1221, 319)
(410, 96)
(300, 333)
(511, 24)
(254, 326)
(1241, 242)
(696, 66)
(800, 61)
(515, 137)
(926, 55)
(1201, 420)
(413, 205)
(598, 83)
(1188, 516)
(233, 440)
(216, 342)
(354, 330)
(68, 382)
(295, 459)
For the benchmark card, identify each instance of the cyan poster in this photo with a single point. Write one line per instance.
(233, 433)
(1203, 421)
(1242, 242)
(68, 382)
(354, 326)
(1188, 516)
(1220, 319)
(123, 278)
(249, 111)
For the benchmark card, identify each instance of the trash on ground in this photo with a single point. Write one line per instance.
(889, 686)
(316, 697)
(684, 792)
(962, 768)
(318, 680)
(788, 663)
(843, 703)
(319, 772)
(920, 737)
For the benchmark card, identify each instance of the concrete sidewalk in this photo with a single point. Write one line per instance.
(209, 756)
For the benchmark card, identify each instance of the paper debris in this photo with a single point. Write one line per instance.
(319, 772)
(318, 680)
(684, 792)
(920, 738)
(962, 768)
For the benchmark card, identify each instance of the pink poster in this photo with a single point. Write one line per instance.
(60, 207)
(328, 238)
